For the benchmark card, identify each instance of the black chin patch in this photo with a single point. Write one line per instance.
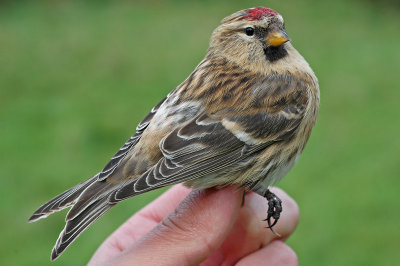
(273, 53)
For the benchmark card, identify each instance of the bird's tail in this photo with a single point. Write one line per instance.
(62, 201)
(89, 201)
(74, 227)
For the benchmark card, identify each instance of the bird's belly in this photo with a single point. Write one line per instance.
(268, 178)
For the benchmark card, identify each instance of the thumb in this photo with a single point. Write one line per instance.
(189, 234)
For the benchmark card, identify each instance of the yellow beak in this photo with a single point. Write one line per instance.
(277, 38)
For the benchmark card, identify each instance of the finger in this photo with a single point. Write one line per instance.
(164, 204)
(140, 224)
(276, 253)
(249, 233)
(190, 234)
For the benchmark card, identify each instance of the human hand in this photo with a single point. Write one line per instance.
(204, 227)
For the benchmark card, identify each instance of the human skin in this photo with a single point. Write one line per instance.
(209, 227)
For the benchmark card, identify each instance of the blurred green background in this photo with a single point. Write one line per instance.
(76, 78)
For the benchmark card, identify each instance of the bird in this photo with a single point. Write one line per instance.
(242, 118)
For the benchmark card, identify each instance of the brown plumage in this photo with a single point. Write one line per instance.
(242, 118)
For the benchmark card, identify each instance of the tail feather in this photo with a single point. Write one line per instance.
(62, 201)
(79, 224)
(91, 194)
(89, 200)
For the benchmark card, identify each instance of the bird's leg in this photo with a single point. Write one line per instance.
(274, 209)
(243, 197)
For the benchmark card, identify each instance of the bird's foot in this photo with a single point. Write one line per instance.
(274, 210)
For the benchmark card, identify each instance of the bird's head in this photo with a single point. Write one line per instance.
(251, 36)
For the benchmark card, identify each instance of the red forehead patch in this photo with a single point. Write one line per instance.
(259, 13)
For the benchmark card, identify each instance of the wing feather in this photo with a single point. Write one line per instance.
(211, 143)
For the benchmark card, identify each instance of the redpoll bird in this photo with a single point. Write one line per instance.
(242, 118)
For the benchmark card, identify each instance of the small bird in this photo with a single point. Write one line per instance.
(242, 118)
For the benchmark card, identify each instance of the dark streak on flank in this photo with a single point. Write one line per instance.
(293, 154)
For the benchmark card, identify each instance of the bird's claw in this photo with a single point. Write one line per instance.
(274, 210)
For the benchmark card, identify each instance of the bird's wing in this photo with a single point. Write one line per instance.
(213, 142)
(200, 147)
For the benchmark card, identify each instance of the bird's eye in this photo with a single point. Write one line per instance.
(249, 31)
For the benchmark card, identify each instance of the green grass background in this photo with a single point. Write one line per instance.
(76, 78)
